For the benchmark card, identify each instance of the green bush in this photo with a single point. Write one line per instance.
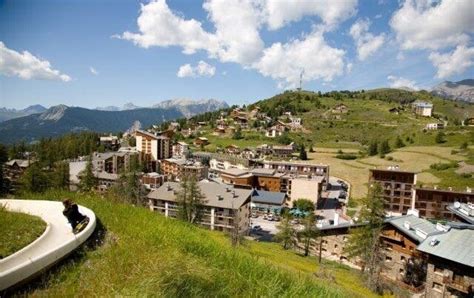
(347, 156)
(443, 166)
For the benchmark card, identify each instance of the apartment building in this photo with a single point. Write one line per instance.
(294, 185)
(450, 271)
(175, 169)
(109, 142)
(297, 168)
(463, 212)
(305, 188)
(153, 147)
(400, 237)
(152, 180)
(180, 149)
(423, 108)
(268, 179)
(225, 207)
(398, 188)
(434, 203)
(112, 162)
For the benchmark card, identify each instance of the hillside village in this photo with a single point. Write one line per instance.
(252, 165)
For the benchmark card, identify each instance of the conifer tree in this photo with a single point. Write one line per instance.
(190, 200)
(364, 242)
(88, 180)
(286, 233)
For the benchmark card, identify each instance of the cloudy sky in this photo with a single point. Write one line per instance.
(99, 53)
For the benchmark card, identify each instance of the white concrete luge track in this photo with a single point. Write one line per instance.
(56, 242)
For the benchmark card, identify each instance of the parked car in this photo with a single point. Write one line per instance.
(254, 215)
(257, 228)
(270, 217)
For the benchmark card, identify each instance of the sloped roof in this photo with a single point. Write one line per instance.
(457, 245)
(268, 197)
(210, 190)
(418, 227)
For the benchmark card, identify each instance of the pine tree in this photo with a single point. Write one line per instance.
(308, 233)
(286, 233)
(399, 143)
(190, 200)
(364, 241)
(373, 148)
(61, 175)
(88, 180)
(440, 137)
(384, 148)
(303, 154)
(34, 179)
(129, 182)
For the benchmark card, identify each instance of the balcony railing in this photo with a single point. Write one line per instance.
(457, 284)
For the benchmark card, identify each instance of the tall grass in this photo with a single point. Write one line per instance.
(17, 230)
(144, 254)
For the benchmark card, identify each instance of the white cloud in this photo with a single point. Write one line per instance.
(426, 24)
(349, 67)
(26, 66)
(284, 62)
(237, 26)
(159, 26)
(236, 37)
(453, 63)
(278, 13)
(367, 43)
(93, 70)
(399, 82)
(378, 16)
(202, 69)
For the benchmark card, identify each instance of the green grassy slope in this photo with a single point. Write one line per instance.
(17, 231)
(369, 117)
(146, 254)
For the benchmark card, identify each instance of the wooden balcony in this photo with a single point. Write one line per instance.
(458, 284)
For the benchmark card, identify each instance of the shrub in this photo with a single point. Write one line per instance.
(346, 156)
(443, 166)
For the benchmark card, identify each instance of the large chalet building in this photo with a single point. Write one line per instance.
(225, 208)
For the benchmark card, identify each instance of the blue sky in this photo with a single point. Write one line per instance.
(100, 53)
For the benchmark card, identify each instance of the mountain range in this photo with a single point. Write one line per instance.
(188, 107)
(62, 119)
(461, 90)
(7, 114)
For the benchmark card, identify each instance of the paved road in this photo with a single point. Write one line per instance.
(56, 242)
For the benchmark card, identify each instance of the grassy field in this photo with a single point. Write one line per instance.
(416, 158)
(17, 231)
(146, 254)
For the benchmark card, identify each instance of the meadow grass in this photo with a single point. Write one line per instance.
(146, 254)
(17, 231)
(413, 158)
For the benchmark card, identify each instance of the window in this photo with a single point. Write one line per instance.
(388, 259)
(401, 271)
(402, 258)
(437, 287)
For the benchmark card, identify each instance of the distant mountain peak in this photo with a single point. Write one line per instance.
(462, 90)
(54, 113)
(192, 107)
(7, 114)
(129, 106)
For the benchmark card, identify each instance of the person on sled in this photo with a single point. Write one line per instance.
(75, 218)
